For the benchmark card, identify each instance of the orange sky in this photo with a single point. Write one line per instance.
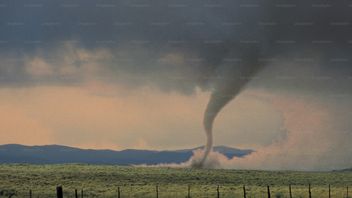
(100, 115)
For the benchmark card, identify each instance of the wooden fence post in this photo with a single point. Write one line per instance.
(76, 193)
(329, 191)
(189, 191)
(268, 188)
(157, 191)
(118, 192)
(59, 192)
(30, 193)
(347, 192)
(81, 193)
(218, 192)
(290, 191)
(244, 192)
(310, 193)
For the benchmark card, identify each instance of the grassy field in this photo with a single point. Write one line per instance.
(103, 181)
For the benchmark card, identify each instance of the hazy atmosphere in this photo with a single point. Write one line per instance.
(116, 75)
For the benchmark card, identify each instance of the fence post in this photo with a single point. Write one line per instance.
(59, 192)
(30, 193)
(310, 193)
(189, 191)
(81, 193)
(118, 192)
(244, 192)
(157, 191)
(329, 191)
(268, 188)
(347, 191)
(76, 193)
(290, 191)
(218, 192)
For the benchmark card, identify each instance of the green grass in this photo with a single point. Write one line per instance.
(102, 181)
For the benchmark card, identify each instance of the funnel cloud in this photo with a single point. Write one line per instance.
(224, 92)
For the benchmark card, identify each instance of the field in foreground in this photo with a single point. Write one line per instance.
(103, 181)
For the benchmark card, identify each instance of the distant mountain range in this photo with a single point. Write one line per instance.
(57, 154)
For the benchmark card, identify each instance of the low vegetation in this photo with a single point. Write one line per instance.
(103, 181)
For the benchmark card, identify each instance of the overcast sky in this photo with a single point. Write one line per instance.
(138, 74)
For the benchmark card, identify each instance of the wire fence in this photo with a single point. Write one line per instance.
(189, 191)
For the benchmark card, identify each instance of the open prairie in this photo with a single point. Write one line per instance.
(104, 181)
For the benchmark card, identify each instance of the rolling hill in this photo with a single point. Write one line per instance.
(58, 154)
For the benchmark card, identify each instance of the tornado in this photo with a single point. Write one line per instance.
(228, 87)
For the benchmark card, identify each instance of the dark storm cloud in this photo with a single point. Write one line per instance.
(208, 34)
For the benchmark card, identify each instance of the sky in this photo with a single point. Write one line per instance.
(139, 74)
